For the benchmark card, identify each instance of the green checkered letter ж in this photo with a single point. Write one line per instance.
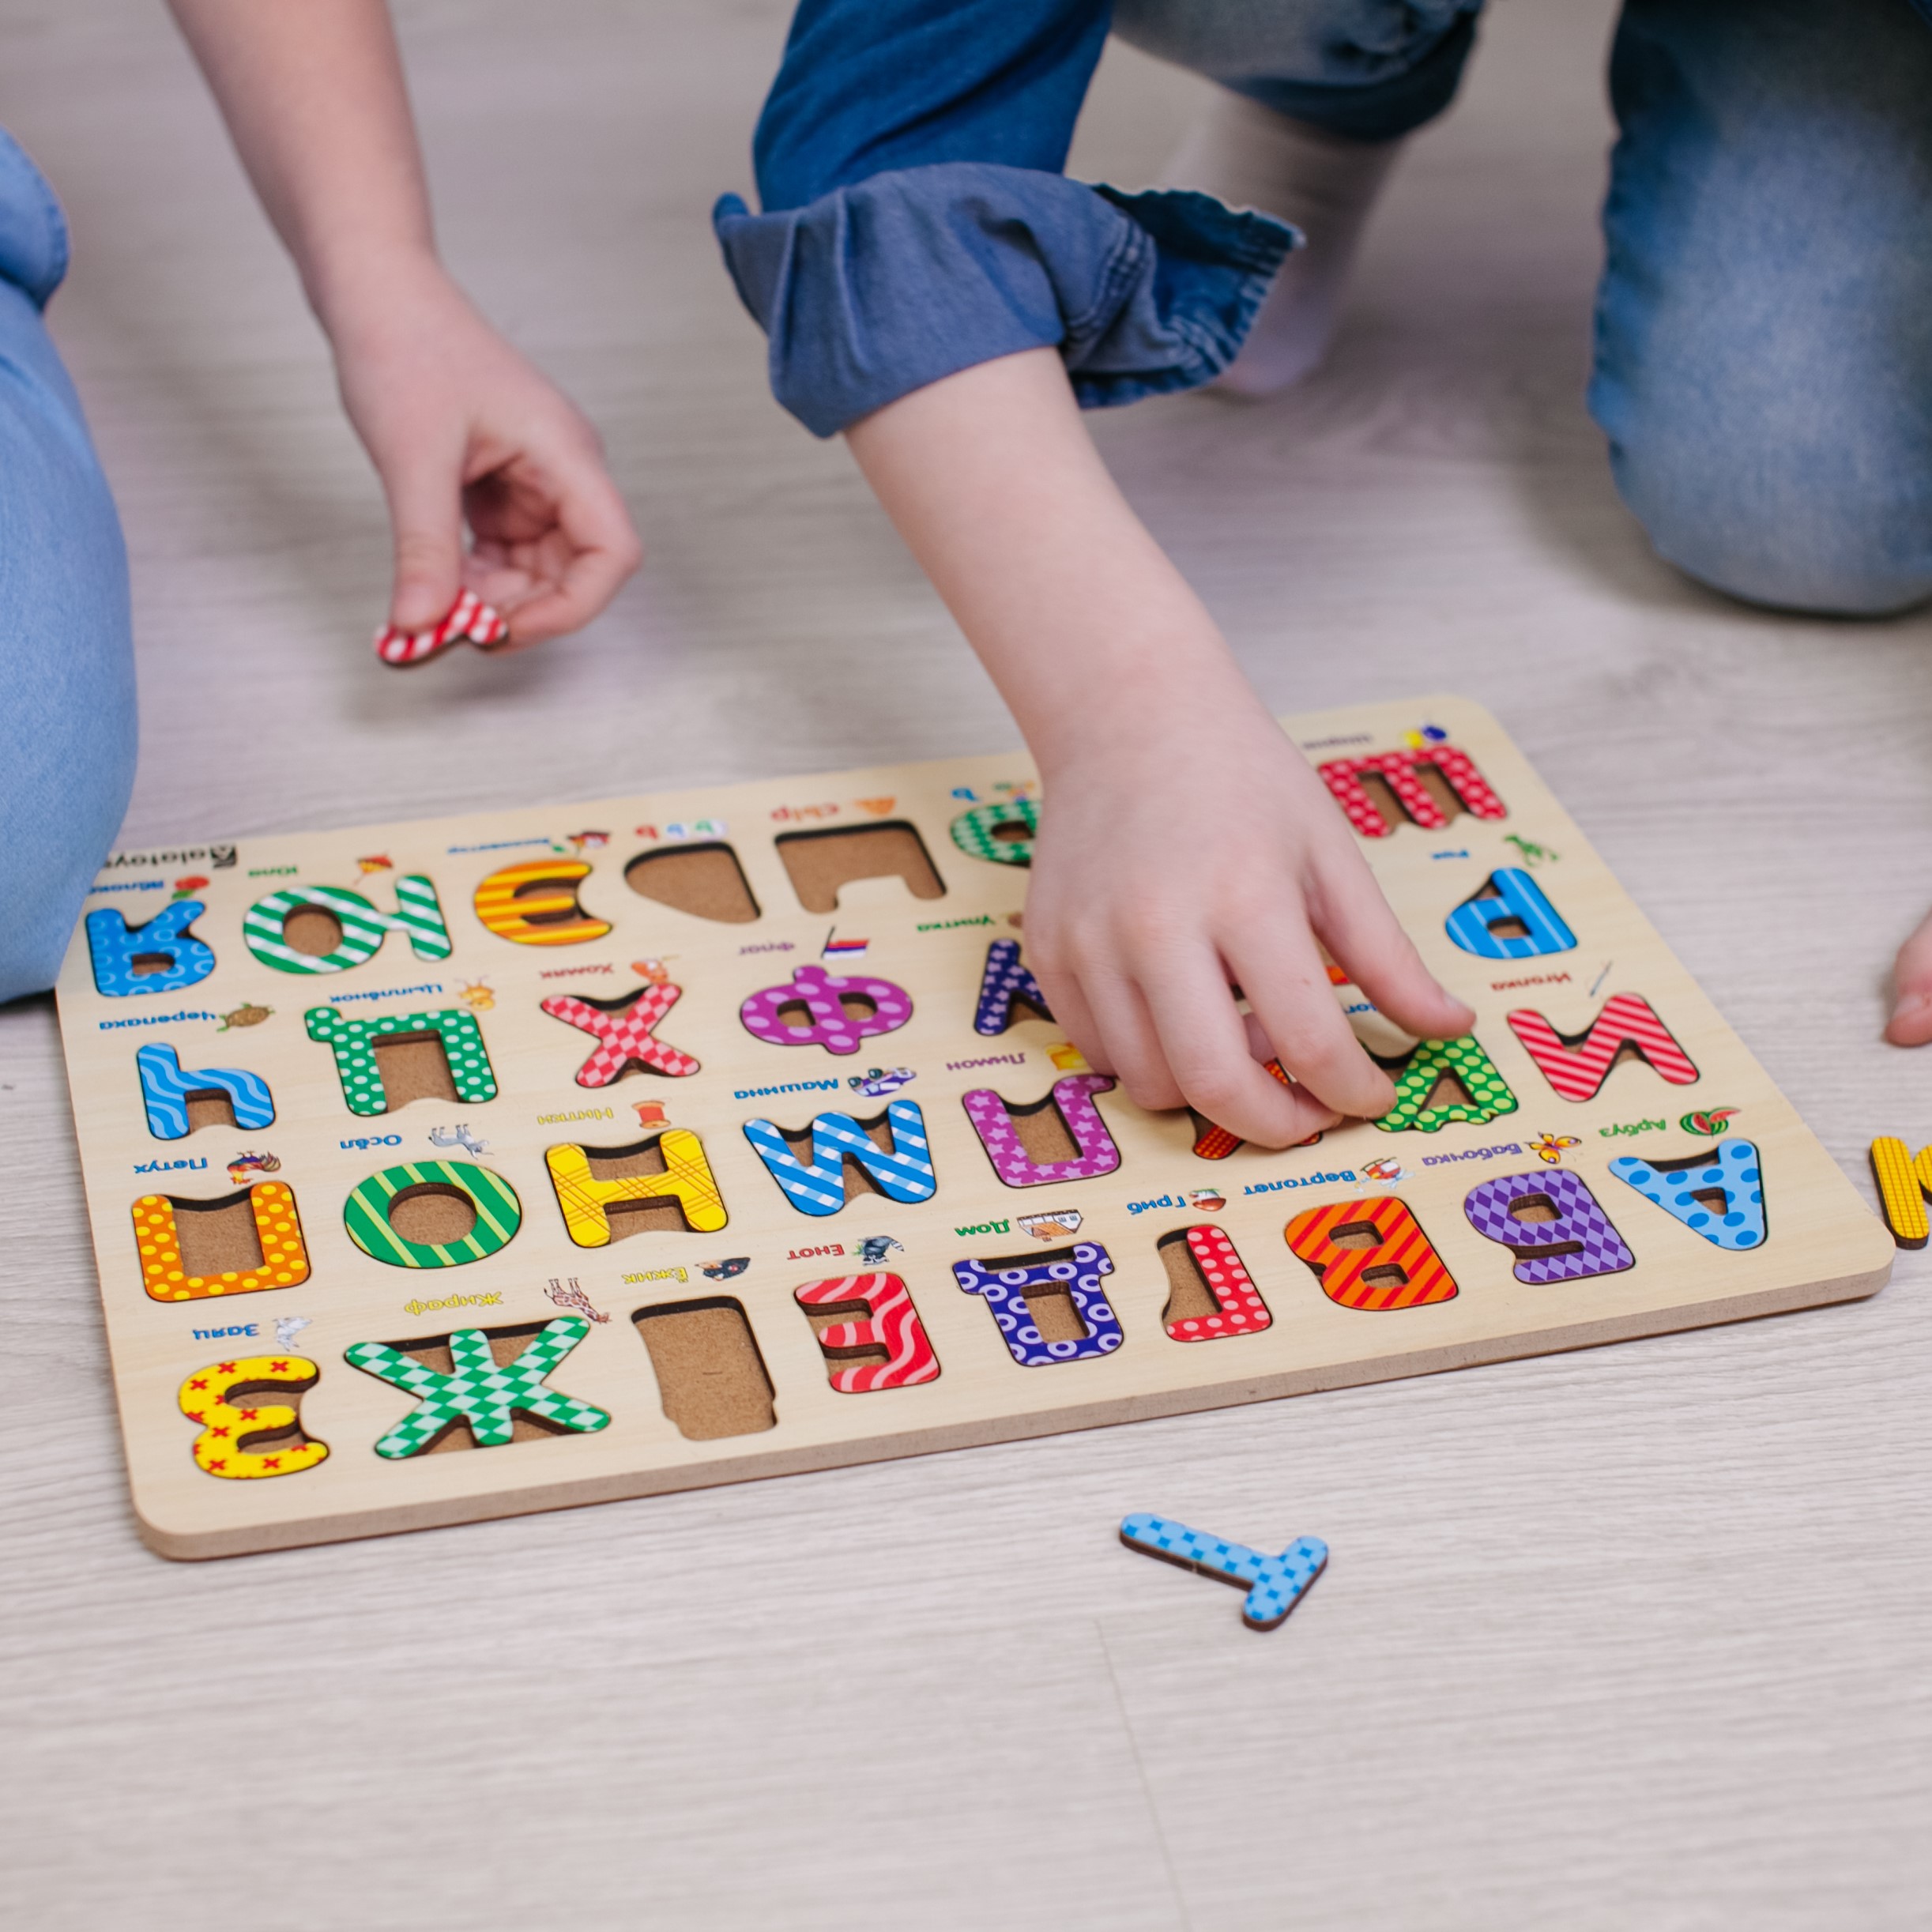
(355, 1042)
(479, 1390)
(418, 916)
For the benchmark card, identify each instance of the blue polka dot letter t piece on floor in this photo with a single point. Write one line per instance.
(1275, 1584)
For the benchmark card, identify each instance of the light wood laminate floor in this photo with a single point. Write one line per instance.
(1633, 1639)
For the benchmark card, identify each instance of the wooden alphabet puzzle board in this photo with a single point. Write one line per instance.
(450, 1169)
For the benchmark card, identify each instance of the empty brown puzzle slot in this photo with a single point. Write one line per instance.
(1041, 1129)
(820, 863)
(218, 1237)
(711, 1378)
(1357, 1234)
(412, 1066)
(309, 929)
(706, 881)
(1448, 1091)
(433, 1213)
(506, 1345)
(1189, 1298)
(209, 1109)
(1534, 1207)
(144, 963)
(1054, 1315)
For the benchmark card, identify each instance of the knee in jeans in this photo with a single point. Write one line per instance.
(1334, 42)
(1779, 522)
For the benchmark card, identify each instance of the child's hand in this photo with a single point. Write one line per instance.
(460, 426)
(1188, 846)
(1911, 982)
(457, 422)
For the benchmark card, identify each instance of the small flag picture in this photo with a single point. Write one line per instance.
(836, 948)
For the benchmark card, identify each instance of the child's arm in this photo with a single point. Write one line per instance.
(456, 422)
(1186, 844)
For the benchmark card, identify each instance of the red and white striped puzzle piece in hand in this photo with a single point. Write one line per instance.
(469, 618)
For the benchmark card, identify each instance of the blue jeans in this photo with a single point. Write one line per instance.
(1763, 331)
(66, 655)
(1764, 353)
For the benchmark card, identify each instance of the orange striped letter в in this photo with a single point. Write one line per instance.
(1371, 1254)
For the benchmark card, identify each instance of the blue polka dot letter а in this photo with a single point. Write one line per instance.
(417, 915)
(480, 1390)
(1717, 1193)
(1075, 1272)
(1510, 919)
(163, 956)
(166, 1089)
(355, 1042)
(1004, 984)
(904, 1173)
(1274, 1584)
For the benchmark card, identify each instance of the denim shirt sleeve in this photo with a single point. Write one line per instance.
(916, 222)
(876, 290)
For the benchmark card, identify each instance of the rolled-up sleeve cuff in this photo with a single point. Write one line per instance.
(875, 290)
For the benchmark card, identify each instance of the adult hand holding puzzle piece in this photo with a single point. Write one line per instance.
(459, 425)
(1188, 846)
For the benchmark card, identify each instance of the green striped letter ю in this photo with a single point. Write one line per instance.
(498, 1213)
(418, 916)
